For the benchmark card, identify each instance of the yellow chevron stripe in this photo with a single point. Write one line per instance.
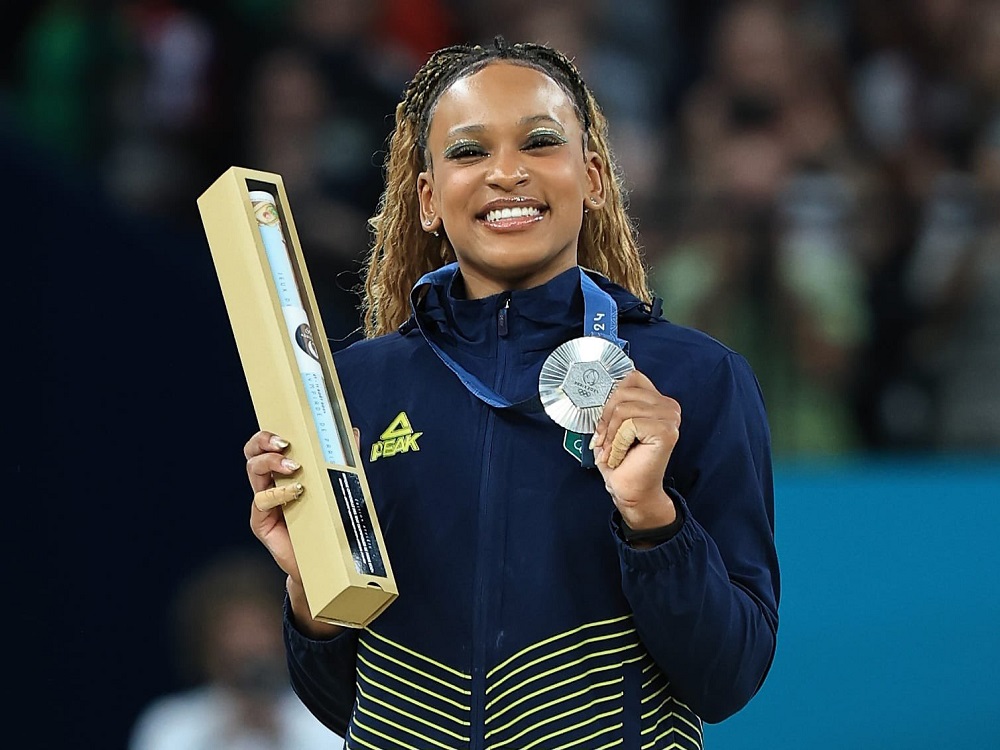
(660, 736)
(648, 666)
(653, 711)
(697, 729)
(652, 696)
(578, 726)
(413, 685)
(379, 734)
(400, 727)
(551, 703)
(613, 743)
(554, 654)
(414, 669)
(351, 739)
(556, 637)
(561, 667)
(558, 717)
(408, 715)
(561, 683)
(410, 699)
(439, 665)
(675, 715)
(684, 706)
(652, 679)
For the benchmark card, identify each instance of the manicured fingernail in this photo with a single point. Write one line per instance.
(593, 441)
(287, 463)
(278, 442)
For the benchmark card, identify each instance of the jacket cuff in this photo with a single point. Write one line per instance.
(666, 554)
(296, 637)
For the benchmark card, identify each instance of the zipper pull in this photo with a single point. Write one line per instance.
(502, 318)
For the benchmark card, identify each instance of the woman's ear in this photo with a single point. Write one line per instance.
(429, 220)
(595, 197)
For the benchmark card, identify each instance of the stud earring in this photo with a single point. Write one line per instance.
(427, 222)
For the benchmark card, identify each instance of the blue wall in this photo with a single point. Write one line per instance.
(890, 611)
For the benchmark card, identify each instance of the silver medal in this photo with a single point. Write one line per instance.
(577, 379)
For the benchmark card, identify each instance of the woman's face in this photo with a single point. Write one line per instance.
(508, 178)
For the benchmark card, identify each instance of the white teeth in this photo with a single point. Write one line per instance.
(512, 213)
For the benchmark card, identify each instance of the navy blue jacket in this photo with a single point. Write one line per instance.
(523, 621)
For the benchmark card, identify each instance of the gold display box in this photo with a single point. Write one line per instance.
(333, 527)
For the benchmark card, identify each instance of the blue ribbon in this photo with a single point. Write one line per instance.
(600, 318)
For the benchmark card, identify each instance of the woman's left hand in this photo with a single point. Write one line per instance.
(645, 424)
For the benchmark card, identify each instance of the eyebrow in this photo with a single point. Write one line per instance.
(529, 120)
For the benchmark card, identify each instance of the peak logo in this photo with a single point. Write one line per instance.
(398, 437)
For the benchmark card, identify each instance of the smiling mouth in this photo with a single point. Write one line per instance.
(517, 212)
(512, 217)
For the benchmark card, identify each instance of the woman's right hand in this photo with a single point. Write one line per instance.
(265, 458)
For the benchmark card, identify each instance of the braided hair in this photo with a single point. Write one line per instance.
(402, 251)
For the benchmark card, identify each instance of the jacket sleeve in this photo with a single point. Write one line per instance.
(322, 673)
(705, 602)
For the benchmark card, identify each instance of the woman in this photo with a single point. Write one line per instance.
(543, 603)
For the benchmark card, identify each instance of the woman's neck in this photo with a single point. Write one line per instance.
(479, 285)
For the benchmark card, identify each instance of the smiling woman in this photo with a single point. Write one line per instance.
(403, 250)
(503, 140)
(558, 588)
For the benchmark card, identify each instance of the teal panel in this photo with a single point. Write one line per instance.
(890, 612)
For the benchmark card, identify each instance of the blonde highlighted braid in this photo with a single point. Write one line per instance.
(402, 251)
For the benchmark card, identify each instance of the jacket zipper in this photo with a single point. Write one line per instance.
(485, 557)
(502, 322)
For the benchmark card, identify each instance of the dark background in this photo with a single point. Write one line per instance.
(131, 411)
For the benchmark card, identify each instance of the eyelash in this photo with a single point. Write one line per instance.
(463, 150)
(545, 138)
(471, 149)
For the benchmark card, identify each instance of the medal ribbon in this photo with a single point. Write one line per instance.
(600, 318)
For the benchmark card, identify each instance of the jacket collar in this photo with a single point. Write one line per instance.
(539, 318)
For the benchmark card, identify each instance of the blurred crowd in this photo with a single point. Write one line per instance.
(814, 181)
